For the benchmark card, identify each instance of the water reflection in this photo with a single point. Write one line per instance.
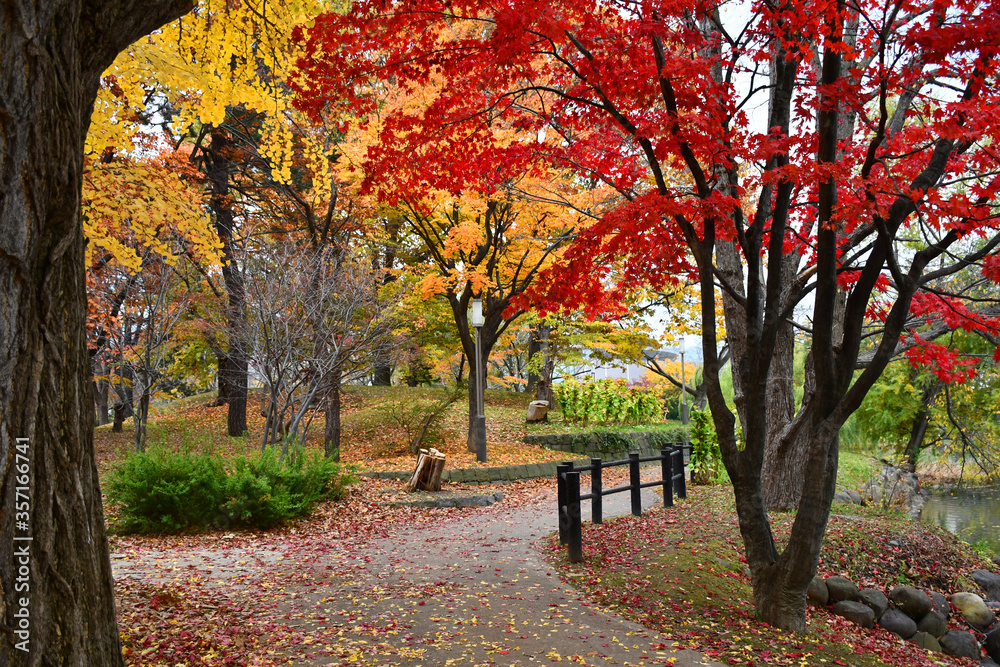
(972, 514)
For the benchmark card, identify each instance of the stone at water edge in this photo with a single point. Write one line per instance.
(989, 582)
(933, 623)
(941, 605)
(875, 599)
(841, 589)
(926, 641)
(992, 644)
(817, 593)
(974, 610)
(911, 601)
(961, 644)
(896, 621)
(856, 613)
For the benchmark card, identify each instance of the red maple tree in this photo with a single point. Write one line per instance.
(828, 156)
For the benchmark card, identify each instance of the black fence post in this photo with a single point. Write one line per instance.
(633, 469)
(575, 529)
(667, 471)
(681, 486)
(596, 504)
(561, 470)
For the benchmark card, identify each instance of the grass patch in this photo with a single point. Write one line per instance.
(377, 425)
(855, 468)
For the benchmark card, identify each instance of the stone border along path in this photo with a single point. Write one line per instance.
(471, 590)
(485, 475)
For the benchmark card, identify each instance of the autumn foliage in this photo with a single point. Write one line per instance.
(804, 155)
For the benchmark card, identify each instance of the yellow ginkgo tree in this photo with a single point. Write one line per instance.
(214, 81)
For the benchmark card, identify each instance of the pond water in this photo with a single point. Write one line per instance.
(972, 514)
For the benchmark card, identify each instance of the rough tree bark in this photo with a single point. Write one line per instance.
(233, 366)
(382, 373)
(52, 54)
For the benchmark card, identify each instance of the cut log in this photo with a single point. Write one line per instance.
(411, 486)
(427, 473)
(438, 468)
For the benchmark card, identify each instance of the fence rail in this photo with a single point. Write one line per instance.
(569, 497)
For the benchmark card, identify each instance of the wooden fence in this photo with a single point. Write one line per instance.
(569, 497)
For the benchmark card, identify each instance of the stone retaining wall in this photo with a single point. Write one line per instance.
(605, 445)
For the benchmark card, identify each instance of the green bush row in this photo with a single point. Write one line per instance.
(162, 491)
(608, 402)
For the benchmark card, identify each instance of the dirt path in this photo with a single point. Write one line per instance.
(471, 590)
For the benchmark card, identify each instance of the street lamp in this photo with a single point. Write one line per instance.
(684, 404)
(479, 426)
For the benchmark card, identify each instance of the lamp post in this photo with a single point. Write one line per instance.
(684, 404)
(479, 426)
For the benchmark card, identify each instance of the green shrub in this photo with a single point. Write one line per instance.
(162, 491)
(706, 457)
(608, 402)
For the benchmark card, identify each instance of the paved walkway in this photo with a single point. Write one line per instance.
(473, 590)
(499, 602)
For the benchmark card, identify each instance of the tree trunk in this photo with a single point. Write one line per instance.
(783, 465)
(101, 393)
(331, 436)
(224, 381)
(51, 57)
(122, 409)
(232, 374)
(382, 374)
(141, 411)
(920, 423)
(534, 347)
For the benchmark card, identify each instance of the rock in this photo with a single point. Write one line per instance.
(817, 593)
(911, 601)
(841, 589)
(961, 644)
(992, 644)
(538, 411)
(941, 605)
(874, 599)
(933, 623)
(856, 613)
(896, 621)
(989, 582)
(926, 642)
(996, 561)
(975, 611)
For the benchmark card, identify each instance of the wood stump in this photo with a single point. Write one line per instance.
(427, 474)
